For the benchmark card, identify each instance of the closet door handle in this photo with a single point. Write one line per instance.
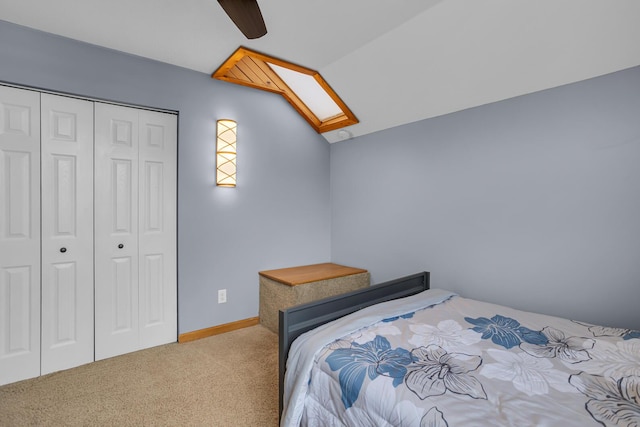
(63, 250)
(120, 246)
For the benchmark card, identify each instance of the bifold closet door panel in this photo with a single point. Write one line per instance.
(157, 232)
(19, 234)
(87, 231)
(116, 230)
(67, 232)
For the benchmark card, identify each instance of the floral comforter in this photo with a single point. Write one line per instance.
(460, 362)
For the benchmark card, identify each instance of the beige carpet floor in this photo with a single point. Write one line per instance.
(225, 380)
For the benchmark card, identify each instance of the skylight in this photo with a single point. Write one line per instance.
(305, 89)
(309, 91)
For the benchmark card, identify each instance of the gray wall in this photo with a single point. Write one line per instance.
(278, 215)
(532, 202)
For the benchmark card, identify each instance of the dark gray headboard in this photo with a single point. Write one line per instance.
(297, 320)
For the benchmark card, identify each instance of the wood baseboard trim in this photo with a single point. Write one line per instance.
(216, 330)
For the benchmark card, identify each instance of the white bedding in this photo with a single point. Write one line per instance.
(449, 361)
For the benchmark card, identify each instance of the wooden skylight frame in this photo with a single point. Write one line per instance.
(250, 68)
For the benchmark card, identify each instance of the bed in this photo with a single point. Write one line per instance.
(401, 354)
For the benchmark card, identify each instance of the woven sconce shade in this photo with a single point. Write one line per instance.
(226, 153)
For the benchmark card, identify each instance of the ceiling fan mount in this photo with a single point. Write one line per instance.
(246, 15)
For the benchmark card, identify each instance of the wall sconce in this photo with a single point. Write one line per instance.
(226, 153)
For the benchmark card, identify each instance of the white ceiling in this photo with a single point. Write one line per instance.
(391, 61)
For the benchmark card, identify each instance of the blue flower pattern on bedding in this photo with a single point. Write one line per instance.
(431, 370)
(505, 331)
(373, 358)
(630, 335)
(404, 316)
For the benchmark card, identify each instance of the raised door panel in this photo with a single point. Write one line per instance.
(67, 232)
(19, 234)
(116, 230)
(158, 281)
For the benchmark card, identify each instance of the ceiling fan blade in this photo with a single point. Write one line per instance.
(246, 15)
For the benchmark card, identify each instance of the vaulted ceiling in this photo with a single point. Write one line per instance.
(391, 61)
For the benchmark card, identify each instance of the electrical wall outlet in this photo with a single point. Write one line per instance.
(222, 296)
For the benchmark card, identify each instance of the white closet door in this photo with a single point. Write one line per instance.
(157, 232)
(19, 234)
(67, 232)
(116, 230)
